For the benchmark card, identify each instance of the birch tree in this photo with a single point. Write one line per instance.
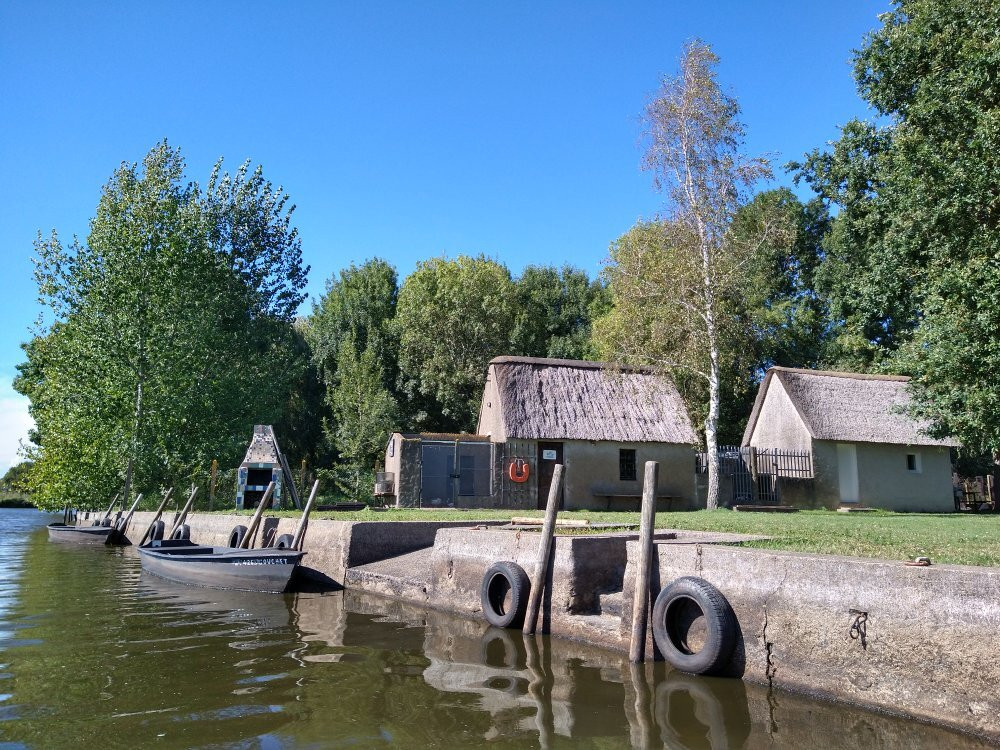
(677, 282)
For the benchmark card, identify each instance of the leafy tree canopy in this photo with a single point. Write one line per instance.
(555, 310)
(913, 262)
(454, 316)
(170, 330)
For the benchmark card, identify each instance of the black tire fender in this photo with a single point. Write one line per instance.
(504, 595)
(105, 522)
(182, 532)
(156, 530)
(236, 535)
(284, 541)
(675, 608)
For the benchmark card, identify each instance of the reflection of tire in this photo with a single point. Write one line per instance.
(284, 541)
(678, 606)
(500, 651)
(702, 712)
(156, 531)
(504, 595)
(236, 535)
(182, 532)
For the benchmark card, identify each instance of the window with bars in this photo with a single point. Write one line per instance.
(626, 464)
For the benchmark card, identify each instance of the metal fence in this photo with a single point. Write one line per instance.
(734, 459)
(755, 473)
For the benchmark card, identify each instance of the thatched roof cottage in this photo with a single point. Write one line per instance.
(865, 446)
(602, 422)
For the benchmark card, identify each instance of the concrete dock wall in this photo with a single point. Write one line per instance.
(916, 641)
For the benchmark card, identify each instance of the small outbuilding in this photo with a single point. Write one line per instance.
(866, 448)
(601, 421)
(261, 465)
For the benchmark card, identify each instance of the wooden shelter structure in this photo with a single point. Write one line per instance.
(263, 463)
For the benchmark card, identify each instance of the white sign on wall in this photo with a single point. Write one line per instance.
(548, 455)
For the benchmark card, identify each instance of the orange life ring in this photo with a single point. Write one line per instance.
(519, 470)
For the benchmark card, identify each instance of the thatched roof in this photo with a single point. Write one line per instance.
(561, 399)
(263, 448)
(848, 406)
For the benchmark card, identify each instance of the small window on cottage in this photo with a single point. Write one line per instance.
(913, 462)
(626, 464)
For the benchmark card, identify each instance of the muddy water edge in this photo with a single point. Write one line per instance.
(92, 652)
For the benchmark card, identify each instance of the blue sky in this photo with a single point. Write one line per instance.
(401, 130)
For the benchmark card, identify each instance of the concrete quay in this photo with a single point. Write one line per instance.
(915, 642)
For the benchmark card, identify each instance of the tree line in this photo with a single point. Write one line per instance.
(173, 328)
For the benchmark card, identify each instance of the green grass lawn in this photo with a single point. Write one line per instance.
(945, 538)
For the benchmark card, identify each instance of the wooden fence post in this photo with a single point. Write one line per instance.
(544, 552)
(640, 603)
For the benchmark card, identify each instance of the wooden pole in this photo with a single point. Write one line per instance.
(112, 506)
(300, 529)
(212, 482)
(255, 521)
(640, 604)
(120, 528)
(159, 512)
(544, 552)
(187, 507)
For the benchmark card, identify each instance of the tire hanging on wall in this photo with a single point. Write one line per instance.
(236, 535)
(676, 605)
(284, 541)
(182, 532)
(156, 532)
(504, 595)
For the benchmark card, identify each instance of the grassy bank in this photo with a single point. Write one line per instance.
(945, 538)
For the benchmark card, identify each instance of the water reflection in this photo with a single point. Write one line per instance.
(96, 652)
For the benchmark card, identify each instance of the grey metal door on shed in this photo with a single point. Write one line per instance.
(437, 474)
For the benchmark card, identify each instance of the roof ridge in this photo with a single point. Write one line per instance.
(840, 374)
(580, 364)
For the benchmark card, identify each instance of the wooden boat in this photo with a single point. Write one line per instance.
(183, 561)
(60, 532)
(268, 569)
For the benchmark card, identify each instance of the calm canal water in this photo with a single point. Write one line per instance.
(95, 654)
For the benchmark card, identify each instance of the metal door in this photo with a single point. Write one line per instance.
(437, 474)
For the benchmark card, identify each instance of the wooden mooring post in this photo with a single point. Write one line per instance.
(640, 604)
(156, 516)
(544, 552)
(255, 521)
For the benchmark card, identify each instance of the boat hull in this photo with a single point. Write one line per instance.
(93, 535)
(267, 570)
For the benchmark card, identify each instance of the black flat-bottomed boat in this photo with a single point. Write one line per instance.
(182, 560)
(60, 532)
